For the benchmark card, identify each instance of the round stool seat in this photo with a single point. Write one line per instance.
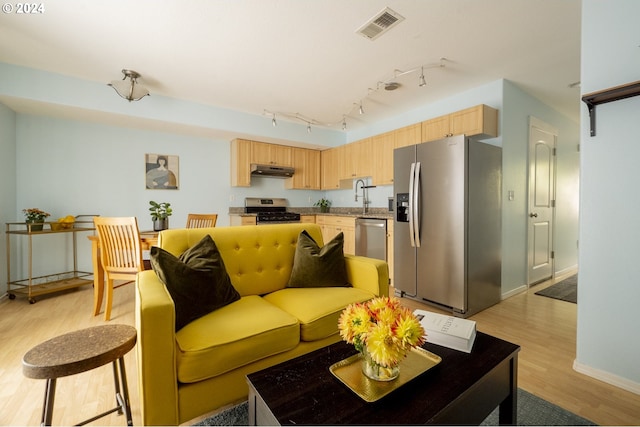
(78, 351)
(81, 351)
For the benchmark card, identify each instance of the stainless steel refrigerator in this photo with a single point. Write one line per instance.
(447, 228)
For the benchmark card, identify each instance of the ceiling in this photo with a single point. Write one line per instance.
(304, 57)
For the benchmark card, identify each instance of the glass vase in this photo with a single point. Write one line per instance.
(378, 372)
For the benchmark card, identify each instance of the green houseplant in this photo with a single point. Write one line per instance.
(324, 204)
(160, 213)
(34, 218)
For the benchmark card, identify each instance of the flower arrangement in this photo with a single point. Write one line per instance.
(35, 215)
(382, 330)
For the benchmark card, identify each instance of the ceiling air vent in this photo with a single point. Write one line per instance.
(380, 24)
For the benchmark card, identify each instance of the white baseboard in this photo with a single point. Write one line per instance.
(569, 271)
(607, 377)
(513, 292)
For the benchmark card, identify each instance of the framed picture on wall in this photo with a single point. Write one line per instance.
(161, 171)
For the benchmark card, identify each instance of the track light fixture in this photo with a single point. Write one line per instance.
(388, 85)
(131, 90)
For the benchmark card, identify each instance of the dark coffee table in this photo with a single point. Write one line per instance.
(463, 389)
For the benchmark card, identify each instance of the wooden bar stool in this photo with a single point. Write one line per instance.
(81, 351)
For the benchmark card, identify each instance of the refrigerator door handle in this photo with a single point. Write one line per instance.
(416, 204)
(411, 217)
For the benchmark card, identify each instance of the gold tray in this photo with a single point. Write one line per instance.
(349, 372)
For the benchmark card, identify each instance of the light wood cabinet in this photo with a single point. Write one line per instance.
(306, 162)
(235, 220)
(308, 219)
(331, 225)
(263, 153)
(478, 120)
(240, 163)
(357, 159)
(307, 166)
(330, 161)
(409, 135)
(382, 147)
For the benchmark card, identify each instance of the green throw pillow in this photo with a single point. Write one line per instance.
(315, 267)
(197, 281)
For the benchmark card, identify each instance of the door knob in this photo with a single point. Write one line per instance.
(533, 215)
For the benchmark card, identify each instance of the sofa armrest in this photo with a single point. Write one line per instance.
(156, 351)
(368, 273)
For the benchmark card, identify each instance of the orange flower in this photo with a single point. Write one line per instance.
(383, 328)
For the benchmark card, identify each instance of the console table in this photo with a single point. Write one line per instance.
(462, 389)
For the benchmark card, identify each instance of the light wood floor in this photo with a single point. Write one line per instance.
(545, 329)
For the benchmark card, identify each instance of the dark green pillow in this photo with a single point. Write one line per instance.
(197, 281)
(315, 267)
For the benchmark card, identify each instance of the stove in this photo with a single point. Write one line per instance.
(270, 211)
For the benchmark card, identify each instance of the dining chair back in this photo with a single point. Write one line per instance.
(120, 255)
(201, 220)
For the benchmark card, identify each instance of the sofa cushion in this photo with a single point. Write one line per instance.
(235, 335)
(197, 281)
(317, 309)
(314, 266)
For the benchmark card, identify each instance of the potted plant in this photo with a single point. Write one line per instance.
(34, 218)
(323, 204)
(160, 213)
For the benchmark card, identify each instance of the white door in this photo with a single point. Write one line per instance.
(542, 165)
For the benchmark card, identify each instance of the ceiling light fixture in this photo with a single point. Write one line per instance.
(388, 85)
(130, 90)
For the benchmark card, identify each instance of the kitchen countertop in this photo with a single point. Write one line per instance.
(354, 212)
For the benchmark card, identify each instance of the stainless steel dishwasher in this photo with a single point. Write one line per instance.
(371, 238)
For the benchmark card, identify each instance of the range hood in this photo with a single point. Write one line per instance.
(273, 171)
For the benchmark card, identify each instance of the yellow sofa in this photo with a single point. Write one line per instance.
(203, 366)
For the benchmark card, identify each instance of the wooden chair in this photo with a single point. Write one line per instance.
(201, 220)
(120, 254)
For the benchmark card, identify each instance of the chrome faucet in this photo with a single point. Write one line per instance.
(365, 202)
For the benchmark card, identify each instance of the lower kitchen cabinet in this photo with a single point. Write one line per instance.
(331, 225)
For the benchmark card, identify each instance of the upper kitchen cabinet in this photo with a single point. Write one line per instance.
(383, 146)
(307, 170)
(408, 135)
(478, 120)
(271, 154)
(331, 160)
(357, 159)
(240, 163)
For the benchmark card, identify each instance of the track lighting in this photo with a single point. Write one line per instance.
(131, 90)
(388, 85)
(421, 81)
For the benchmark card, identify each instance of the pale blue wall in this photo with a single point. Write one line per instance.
(609, 290)
(7, 182)
(80, 167)
(518, 107)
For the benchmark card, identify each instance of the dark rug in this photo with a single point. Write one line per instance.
(566, 290)
(532, 411)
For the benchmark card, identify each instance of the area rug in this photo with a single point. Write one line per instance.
(532, 411)
(566, 290)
